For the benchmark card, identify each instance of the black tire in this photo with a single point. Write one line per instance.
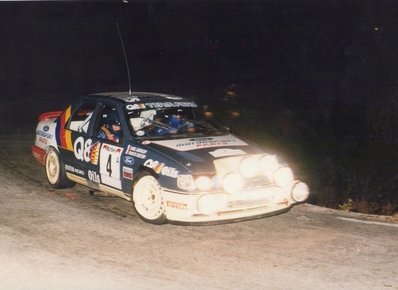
(148, 200)
(55, 170)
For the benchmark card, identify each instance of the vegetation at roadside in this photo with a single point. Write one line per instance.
(348, 155)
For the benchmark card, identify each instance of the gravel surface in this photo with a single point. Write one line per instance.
(69, 239)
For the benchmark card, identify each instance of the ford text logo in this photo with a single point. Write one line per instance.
(128, 160)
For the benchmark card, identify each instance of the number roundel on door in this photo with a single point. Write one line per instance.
(110, 157)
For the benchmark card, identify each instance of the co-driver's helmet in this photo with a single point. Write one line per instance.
(176, 120)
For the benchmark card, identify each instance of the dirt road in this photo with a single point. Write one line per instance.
(69, 239)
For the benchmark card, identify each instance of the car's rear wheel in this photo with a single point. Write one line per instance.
(55, 170)
(148, 200)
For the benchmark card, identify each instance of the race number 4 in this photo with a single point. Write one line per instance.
(110, 165)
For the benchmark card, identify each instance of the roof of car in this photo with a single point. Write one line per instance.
(139, 96)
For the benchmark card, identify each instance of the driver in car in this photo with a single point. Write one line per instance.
(175, 123)
(112, 131)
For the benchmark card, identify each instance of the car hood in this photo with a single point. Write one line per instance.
(198, 154)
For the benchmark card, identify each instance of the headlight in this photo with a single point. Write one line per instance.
(233, 183)
(249, 167)
(185, 182)
(268, 165)
(203, 183)
(188, 182)
(300, 192)
(283, 176)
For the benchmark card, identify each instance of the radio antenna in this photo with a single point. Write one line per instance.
(125, 56)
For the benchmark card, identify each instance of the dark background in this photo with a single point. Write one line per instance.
(315, 80)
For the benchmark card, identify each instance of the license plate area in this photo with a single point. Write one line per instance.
(253, 198)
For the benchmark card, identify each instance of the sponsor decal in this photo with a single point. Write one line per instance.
(161, 168)
(132, 99)
(177, 205)
(46, 128)
(127, 173)
(226, 152)
(157, 105)
(93, 176)
(201, 139)
(82, 149)
(135, 107)
(43, 134)
(201, 143)
(111, 148)
(75, 170)
(136, 152)
(86, 151)
(128, 160)
(43, 140)
(94, 153)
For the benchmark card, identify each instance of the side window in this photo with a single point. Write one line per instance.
(81, 118)
(109, 126)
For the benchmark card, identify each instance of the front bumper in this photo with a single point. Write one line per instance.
(222, 207)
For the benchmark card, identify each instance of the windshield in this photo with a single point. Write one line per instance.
(172, 122)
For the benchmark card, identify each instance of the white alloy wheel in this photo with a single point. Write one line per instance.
(55, 171)
(148, 200)
(53, 167)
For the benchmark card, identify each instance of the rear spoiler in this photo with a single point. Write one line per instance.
(50, 115)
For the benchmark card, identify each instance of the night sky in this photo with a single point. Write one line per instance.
(342, 48)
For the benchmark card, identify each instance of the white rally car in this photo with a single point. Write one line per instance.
(170, 160)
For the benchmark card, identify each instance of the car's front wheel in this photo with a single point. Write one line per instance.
(55, 170)
(148, 200)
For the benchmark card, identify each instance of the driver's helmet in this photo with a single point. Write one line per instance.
(112, 119)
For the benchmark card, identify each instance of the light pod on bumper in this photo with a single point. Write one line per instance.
(233, 183)
(283, 176)
(270, 167)
(203, 183)
(267, 166)
(248, 167)
(300, 192)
